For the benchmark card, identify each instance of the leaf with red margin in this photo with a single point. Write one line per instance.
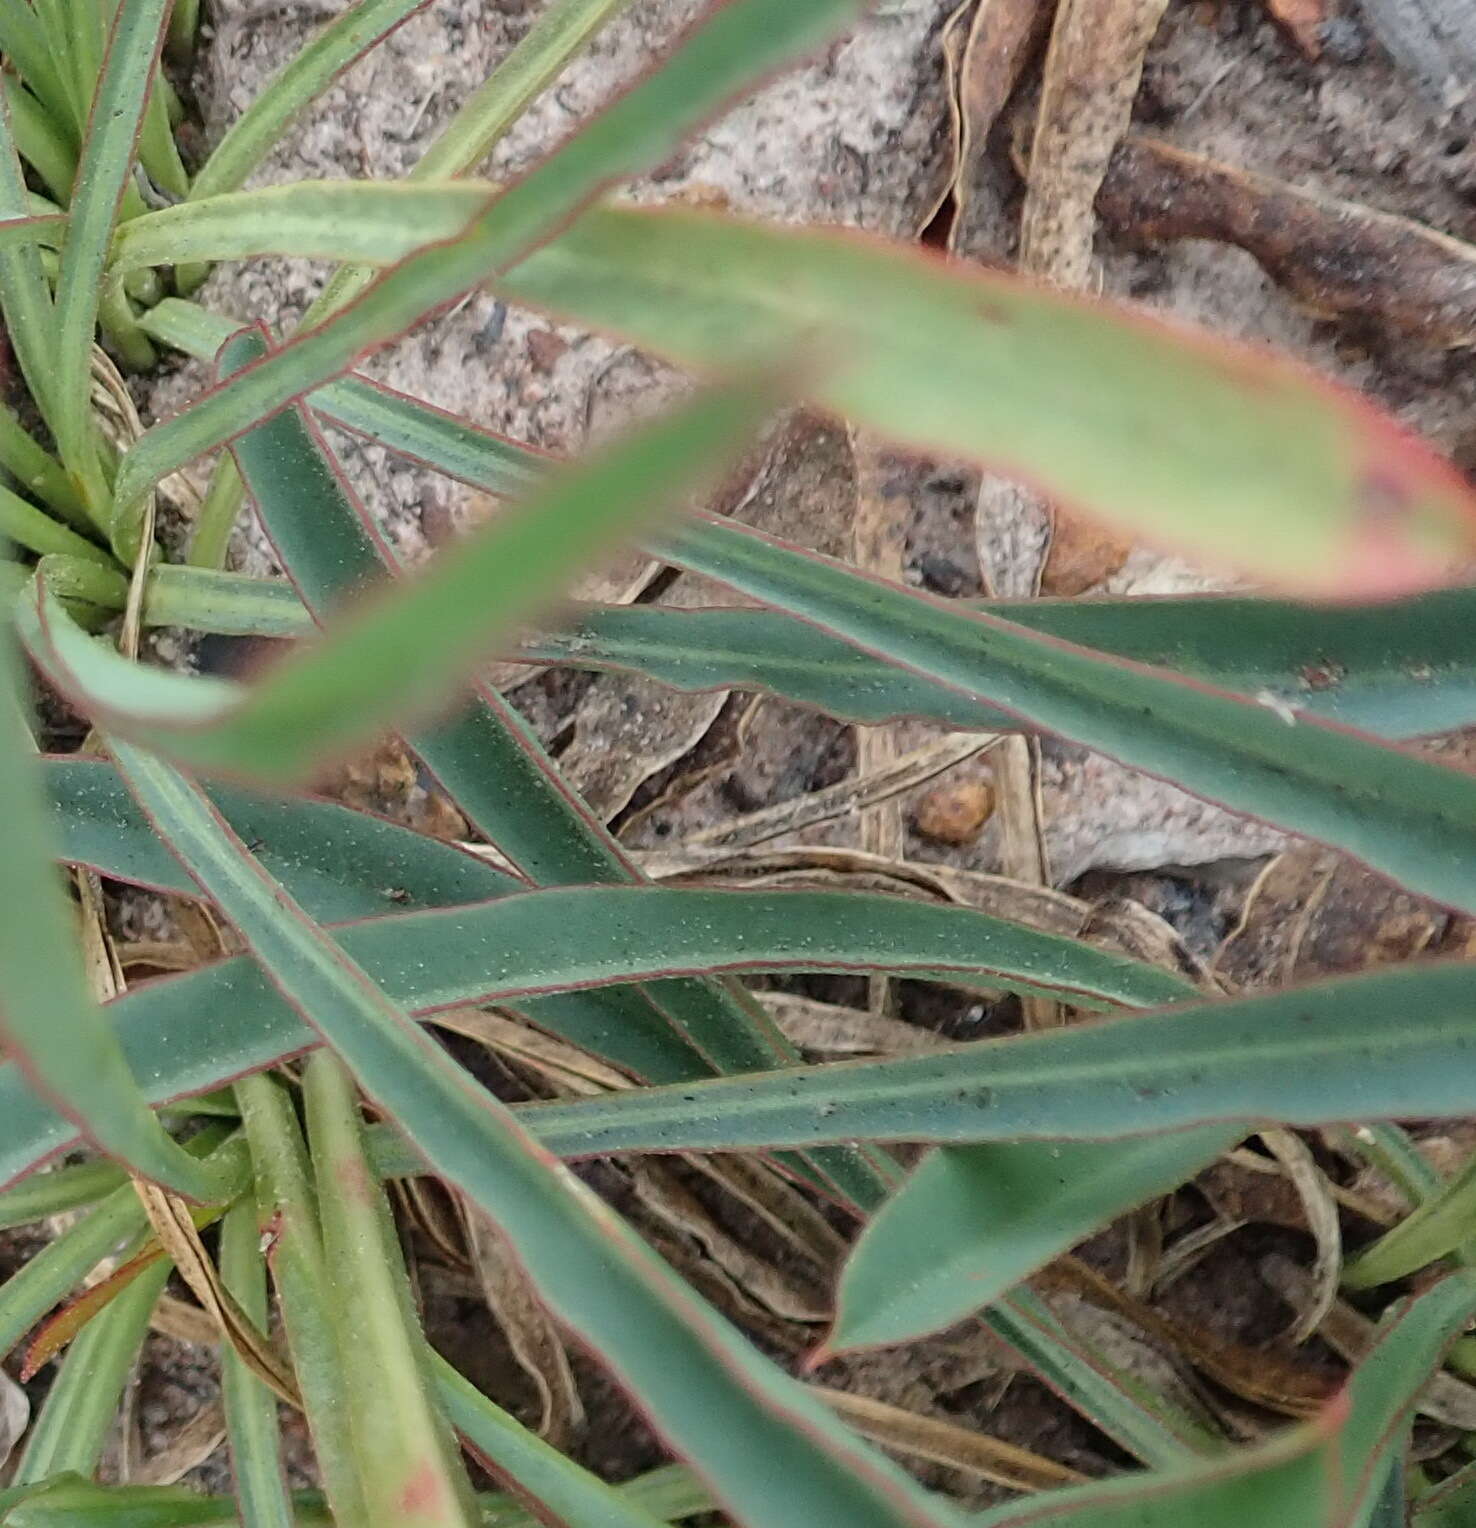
(714, 1397)
(1224, 452)
(1227, 748)
(1396, 810)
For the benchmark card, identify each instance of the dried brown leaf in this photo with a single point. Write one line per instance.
(174, 1225)
(923, 1437)
(189, 1448)
(512, 1298)
(1350, 1334)
(1339, 258)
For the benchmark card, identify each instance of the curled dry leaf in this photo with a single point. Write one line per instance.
(1350, 1334)
(1275, 1381)
(174, 1225)
(512, 1298)
(828, 1029)
(1320, 1208)
(1341, 259)
(189, 1448)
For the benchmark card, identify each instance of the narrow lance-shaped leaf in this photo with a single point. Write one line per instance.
(1230, 454)
(1306, 1056)
(374, 222)
(48, 1019)
(524, 946)
(286, 1210)
(409, 1466)
(311, 69)
(23, 288)
(1400, 812)
(107, 157)
(1303, 1056)
(250, 1407)
(406, 649)
(1396, 669)
(344, 864)
(972, 1221)
(733, 45)
(709, 1392)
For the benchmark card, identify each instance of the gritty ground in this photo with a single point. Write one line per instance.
(861, 137)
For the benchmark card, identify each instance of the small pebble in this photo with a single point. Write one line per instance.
(953, 814)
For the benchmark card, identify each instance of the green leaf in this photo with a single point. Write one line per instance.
(374, 222)
(1231, 454)
(408, 1463)
(287, 1213)
(343, 864)
(250, 1407)
(710, 1393)
(22, 233)
(25, 44)
(35, 530)
(1308, 1056)
(107, 157)
(1288, 1480)
(188, 1034)
(501, 778)
(562, 1488)
(1400, 812)
(43, 146)
(48, 1019)
(41, 1194)
(403, 424)
(46, 1279)
(1431, 1231)
(408, 648)
(1389, 1044)
(735, 44)
(1397, 669)
(972, 1221)
(24, 293)
(305, 76)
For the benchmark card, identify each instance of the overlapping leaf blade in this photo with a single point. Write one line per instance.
(1234, 455)
(406, 649)
(711, 1394)
(1405, 815)
(1401, 813)
(970, 1222)
(189, 1034)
